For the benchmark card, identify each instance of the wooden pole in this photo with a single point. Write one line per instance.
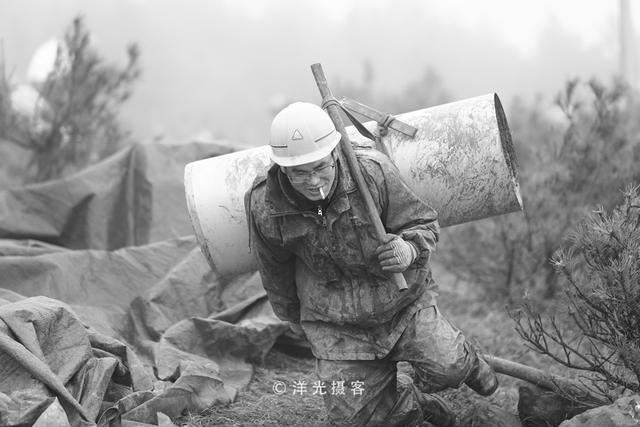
(354, 167)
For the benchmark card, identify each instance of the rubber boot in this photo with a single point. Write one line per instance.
(483, 379)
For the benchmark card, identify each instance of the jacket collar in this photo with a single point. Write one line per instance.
(282, 199)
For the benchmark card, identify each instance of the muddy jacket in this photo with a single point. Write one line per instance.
(319, 266)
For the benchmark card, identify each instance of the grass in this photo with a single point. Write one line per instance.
(485, 324)
(258, 405)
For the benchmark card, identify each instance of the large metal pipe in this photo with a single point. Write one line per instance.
(461, 161)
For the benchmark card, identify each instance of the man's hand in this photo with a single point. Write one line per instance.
(296, 330)
(396, 255)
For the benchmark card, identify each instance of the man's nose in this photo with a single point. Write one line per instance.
(314, 179)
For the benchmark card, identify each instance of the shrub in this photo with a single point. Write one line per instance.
(599, 332)
(568, 164)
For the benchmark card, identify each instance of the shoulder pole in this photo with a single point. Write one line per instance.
(332, 108)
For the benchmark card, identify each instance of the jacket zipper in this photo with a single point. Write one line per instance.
(324, 220)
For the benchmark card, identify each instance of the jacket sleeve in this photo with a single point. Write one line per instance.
(409, 216)
(277, 270)
(402, 212)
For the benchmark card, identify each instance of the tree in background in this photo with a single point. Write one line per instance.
(563, 174)
(427, 91)
(599, 332)
(76, 120)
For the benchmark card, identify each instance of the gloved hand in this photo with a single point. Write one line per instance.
(396, 255)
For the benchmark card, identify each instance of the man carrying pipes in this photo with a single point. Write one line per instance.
(327, 274)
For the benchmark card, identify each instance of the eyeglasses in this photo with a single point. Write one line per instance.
(298, 177)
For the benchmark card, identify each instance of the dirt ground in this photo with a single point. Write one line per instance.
(487, 326)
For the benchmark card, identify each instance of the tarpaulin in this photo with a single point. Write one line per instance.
(43, 348)
(136, 332)
(132, 198)
(107, 206)
(233, 346)
(101, 284)
(184, 324)
(165, 171)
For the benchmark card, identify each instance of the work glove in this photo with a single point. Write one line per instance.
(396, 255)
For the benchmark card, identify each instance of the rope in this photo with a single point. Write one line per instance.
(386, 122)
(329, 101)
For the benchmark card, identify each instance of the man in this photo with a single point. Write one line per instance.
(328, 276)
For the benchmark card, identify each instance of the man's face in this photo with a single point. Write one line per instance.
(313, 179)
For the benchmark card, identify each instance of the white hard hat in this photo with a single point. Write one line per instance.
(302, 133)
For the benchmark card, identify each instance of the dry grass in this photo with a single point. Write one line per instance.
(487, 326)
(258, 405)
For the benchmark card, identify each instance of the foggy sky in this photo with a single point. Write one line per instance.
(218, 65)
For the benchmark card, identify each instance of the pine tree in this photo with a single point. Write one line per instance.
(598, 329)
(78, 123)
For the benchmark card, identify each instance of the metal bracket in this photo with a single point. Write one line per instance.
(383, 119)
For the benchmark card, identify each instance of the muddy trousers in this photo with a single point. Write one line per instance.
(440, 358)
